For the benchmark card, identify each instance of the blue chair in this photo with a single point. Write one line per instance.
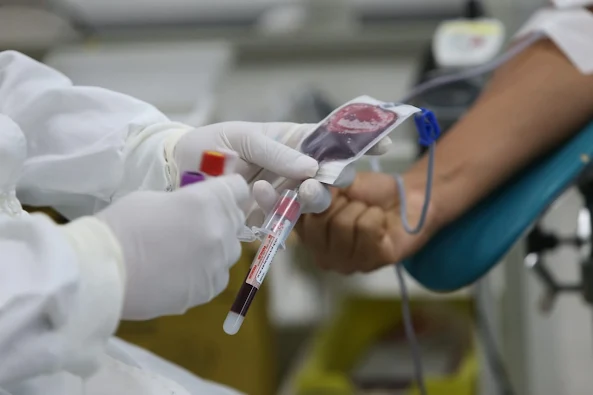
(467, 249)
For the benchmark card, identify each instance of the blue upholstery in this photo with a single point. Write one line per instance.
(467, 249)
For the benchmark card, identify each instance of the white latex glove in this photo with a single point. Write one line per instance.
(178, 247)
(268, 161)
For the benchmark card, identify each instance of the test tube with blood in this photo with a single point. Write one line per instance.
(273, 234)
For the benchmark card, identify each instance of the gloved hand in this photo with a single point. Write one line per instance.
(268, 161)
(178, 247)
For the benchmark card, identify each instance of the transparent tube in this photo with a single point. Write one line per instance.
(273, 234)
(473, 72)
(495, 63)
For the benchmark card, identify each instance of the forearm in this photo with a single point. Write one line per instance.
(532, 104)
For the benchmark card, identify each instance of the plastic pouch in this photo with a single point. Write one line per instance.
(350, 131)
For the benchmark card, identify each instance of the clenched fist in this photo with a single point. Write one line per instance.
(362, 230)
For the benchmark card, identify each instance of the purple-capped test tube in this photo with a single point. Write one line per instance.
(191, 178)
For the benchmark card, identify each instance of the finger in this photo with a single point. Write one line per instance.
(382, 147)
(342, 236)
(231, 192)
(252, 144)
(232, 185)
(314, 230)
(346, 177)
(314, 196)
(233, 250)
(265, 195)
(371, 229)
(220, 281)
(289, 134)
(235, 184)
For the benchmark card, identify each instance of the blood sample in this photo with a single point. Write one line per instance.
(273, 234)
(348, 131)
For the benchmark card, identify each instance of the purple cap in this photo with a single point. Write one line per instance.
(191, 178)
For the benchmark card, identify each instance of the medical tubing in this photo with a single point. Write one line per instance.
(474, 71)
(375, 165)
(407, 317)
(403, 205)
(410, 332)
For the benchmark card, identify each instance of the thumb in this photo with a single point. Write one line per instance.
(374, 189)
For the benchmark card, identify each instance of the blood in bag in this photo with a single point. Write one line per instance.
(348, 131)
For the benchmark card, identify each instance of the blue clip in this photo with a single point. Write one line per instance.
(427, 127)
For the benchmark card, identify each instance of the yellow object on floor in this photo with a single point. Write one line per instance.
(337, 348)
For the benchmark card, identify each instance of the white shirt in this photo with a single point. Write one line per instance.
(570, 26)
(61, 290)
(571, 3)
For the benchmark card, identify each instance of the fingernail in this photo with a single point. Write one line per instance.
(308, 165)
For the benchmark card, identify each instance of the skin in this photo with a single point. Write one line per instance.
(532, 104)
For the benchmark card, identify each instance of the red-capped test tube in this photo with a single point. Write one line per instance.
(212, 165)
(273, 235)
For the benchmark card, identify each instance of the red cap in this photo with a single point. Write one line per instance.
(289, 208)
(212, 163)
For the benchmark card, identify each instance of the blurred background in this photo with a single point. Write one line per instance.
(311, 332)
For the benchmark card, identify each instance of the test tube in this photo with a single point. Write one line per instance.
(211, 165)
(273, 234)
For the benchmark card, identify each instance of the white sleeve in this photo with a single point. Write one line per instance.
(571, 3)
(61, 295)
(86, 145)
(570, 28)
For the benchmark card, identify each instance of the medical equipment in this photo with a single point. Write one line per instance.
(429, 131)
(461, 43)
(211, 165)
(539, 242)
(273, 233)
(350, 131)
(345, 135)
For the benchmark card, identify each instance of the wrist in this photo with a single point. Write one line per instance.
(444, 205)
(100, 292)
(148, 163)
(171, 168)
(94, 241)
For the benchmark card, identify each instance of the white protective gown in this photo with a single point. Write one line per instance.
(75, 148)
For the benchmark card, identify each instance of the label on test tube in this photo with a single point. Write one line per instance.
(276, 228)
(267, 252)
